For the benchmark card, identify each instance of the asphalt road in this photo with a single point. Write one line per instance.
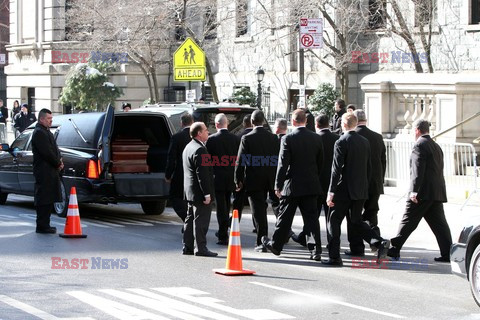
(135, 270)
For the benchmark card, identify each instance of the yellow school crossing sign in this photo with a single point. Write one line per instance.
(189, 62)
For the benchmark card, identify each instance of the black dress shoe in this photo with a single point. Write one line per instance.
(298, 239)
(392, 253)
(334, 262)
(207, 253)
(187, 252)
(260, 248)
(316, 255)
(270, 247)
(354, 254)
(222, 242)
(442, 259)
(383, 247)
(51, 230)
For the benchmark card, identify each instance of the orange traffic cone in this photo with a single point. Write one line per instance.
(73, 227)
(234, 255)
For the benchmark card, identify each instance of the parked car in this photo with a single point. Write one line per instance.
(109, 157)
(465, 256)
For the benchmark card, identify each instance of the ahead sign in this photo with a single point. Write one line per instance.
(311, 33)
(189, 62)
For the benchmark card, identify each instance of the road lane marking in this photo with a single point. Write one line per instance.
(13, 235)
(34, 311)
(177, 309)
(329, 300)
(193, 295)
(115, 309)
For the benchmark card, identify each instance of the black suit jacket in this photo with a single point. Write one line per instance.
(378, 157)
(198, 177)
(426, 170)
(337, 121)
(245, 131)
(328, 140)
(223, 146)
(174, 168)
(257, 160)
(351, 167)
(300, 163)
(46, 160)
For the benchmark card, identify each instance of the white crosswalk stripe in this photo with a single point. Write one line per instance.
(156, 304)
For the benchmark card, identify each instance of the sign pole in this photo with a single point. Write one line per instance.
(301, 93)
(310, 37)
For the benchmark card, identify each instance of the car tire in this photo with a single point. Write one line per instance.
(3, 198)
(61, 208)
(154, 207)
(474, 275)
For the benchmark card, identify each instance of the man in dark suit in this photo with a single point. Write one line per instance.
(427, 194)
(328, 140)
(256, 165)
(297, 184)
(223, 147)
(310, 124)
(351, 170)
(375, 187)
(174, 168)
(199, 191)
(337, 117)
(280, 128)
(239, 196)
(47, 165)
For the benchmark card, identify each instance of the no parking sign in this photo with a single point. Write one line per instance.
(311, 33)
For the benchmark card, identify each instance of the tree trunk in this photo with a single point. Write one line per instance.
(342, 77)
(406, 35)
(149, 82)
(211, 80)
(153, 73)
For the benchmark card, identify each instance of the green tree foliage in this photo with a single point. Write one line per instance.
(245, 96)
(323, 99)
(87, 87)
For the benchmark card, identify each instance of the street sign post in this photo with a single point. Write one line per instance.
(311, 33)
(189, 62)
(310, 37)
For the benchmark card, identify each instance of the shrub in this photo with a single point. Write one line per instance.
(323, 99)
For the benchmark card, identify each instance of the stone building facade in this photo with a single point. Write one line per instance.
(37, 27)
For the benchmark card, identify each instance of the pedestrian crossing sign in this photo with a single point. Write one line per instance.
(189, 62)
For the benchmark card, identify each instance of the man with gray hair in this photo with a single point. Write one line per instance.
(427, 193)
(280, 127)
(375, 186)
(223, 147)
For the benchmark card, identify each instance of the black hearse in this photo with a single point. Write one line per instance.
(109, 157)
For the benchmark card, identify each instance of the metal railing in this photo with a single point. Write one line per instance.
(460, 165)
(456, 125)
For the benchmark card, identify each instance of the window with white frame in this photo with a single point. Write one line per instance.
(242, 18)
(424, 12)
(377, 17)
(475, 12)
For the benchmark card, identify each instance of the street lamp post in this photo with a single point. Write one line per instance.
(260, 75)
